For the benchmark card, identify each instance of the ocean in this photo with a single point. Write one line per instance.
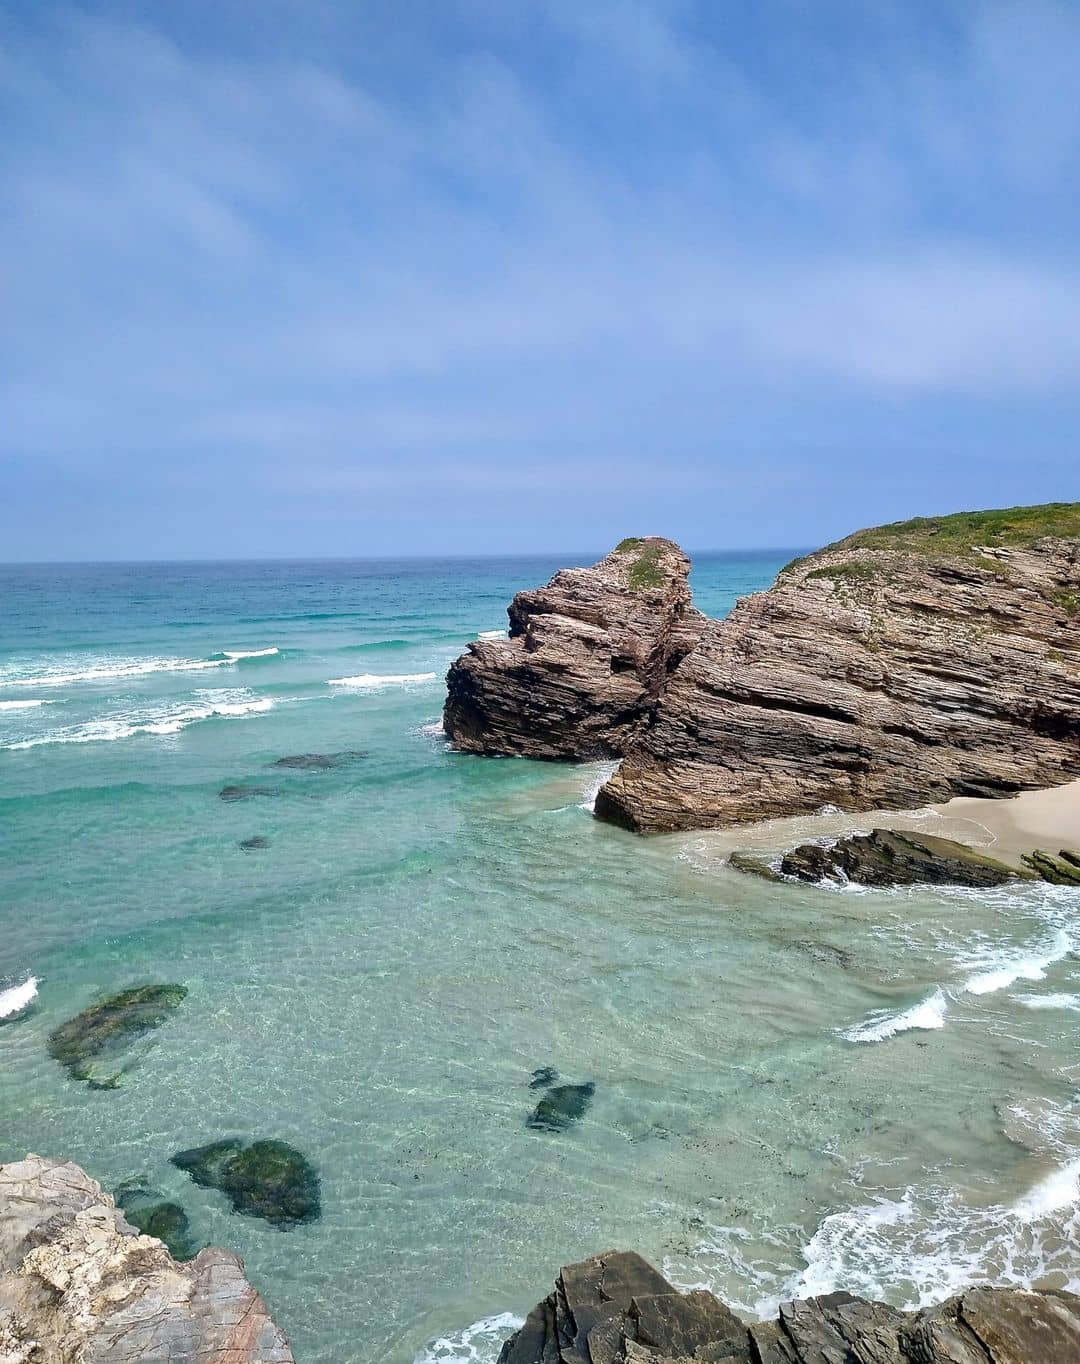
(796, 1088)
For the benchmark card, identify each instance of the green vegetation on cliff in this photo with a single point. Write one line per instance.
(961, 535)
(645, 568)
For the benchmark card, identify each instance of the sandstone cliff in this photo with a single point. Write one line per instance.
(585, 662)
(904, 665)
(78, 1285)
(617, 1309)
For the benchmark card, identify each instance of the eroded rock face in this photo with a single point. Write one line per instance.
(587, 658)
(617, 1309)
(869, 678)
(79, 1285)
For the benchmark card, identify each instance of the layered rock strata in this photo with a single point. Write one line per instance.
(617, 1309)
(79, 1285)
(585, 662)
(868, 677)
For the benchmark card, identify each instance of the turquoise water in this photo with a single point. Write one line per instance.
(796, 1088)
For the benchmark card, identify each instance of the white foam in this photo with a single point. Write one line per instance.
(599, 774)
(1049, 1001)
(377, 681)
(234, 655)
(436, 727)
(17, 997)
(479, 1343)
(492, 634)
(23, 705)
(1004, 970)
(157, 721)
(1059, 1189)
(929, 1013)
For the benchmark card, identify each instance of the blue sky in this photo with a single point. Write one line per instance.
(304, 277)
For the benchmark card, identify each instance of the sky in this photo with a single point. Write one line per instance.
(321, 277)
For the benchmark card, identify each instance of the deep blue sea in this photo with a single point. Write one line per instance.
(796, 1089)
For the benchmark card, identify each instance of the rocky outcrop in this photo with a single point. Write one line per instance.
(889, 857)
(585, 663)
(902, 666)
(269, 1179)
(79, 1285)
(617, 1309)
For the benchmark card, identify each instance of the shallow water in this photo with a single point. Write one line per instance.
(796, 1088)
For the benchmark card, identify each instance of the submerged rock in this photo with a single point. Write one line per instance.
(254, 843)
(617, 1309)
(268, 1179)
(106, 1029)
(320, 762)
(584, 663)
(753, 866)
(154, 1215)
(544, 1076)
(77, 1282)
(245, 792)
(561, 1106)
(887, 857)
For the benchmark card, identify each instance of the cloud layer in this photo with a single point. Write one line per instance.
(363, 279)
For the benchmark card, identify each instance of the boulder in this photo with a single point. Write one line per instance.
(242, 791)
(888, 857)
(585, 662)
(154, 1215)
(80, 1285)
(268, 1179)
(561, 1106)
(319, 762)
(104, 1030)
(254, 844)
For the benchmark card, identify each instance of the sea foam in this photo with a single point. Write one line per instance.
(1004, 968)
(378, 681)
(927, 1014)
(161, 721)
(492, 634)
(23, 705)
(479, 1343)
(18, 997)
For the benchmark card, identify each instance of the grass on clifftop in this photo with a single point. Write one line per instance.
(964, 533)
(645, 569)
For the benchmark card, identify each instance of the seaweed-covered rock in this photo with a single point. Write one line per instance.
(561, 1106)
(319, 762)
(105, 1029)
(244, 791)
(1059, 871)
(753, 866)
(887, 857)
(146, 1209)
(254, 844)
(268, 1179)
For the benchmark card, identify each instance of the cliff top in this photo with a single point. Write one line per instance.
(964, 534)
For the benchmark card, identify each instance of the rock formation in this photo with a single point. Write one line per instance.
(79, 1285)
(617, 1309)
(904, 665)
(106, 1029)
(586, 659)
(269, 1179)
(889, 857)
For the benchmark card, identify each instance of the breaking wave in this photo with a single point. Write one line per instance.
(23, 705)
(928, 1013)
(159, 721)
(379, 681)
(1002, 969)
(16, 998)
(479, 1343)
(125, 668)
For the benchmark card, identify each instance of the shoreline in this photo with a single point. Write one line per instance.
(1047, 818)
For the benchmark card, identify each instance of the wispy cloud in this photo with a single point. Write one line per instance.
(382, 245)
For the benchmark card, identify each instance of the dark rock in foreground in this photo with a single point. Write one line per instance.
(319, 762)
(561, 1106)
(78, 1283)
(617, 1309)
(585, 662)
(146, 1209)
(268, 1179)
(106, 1029)
(887, 857)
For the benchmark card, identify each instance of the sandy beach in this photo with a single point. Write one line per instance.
(1048, 819)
